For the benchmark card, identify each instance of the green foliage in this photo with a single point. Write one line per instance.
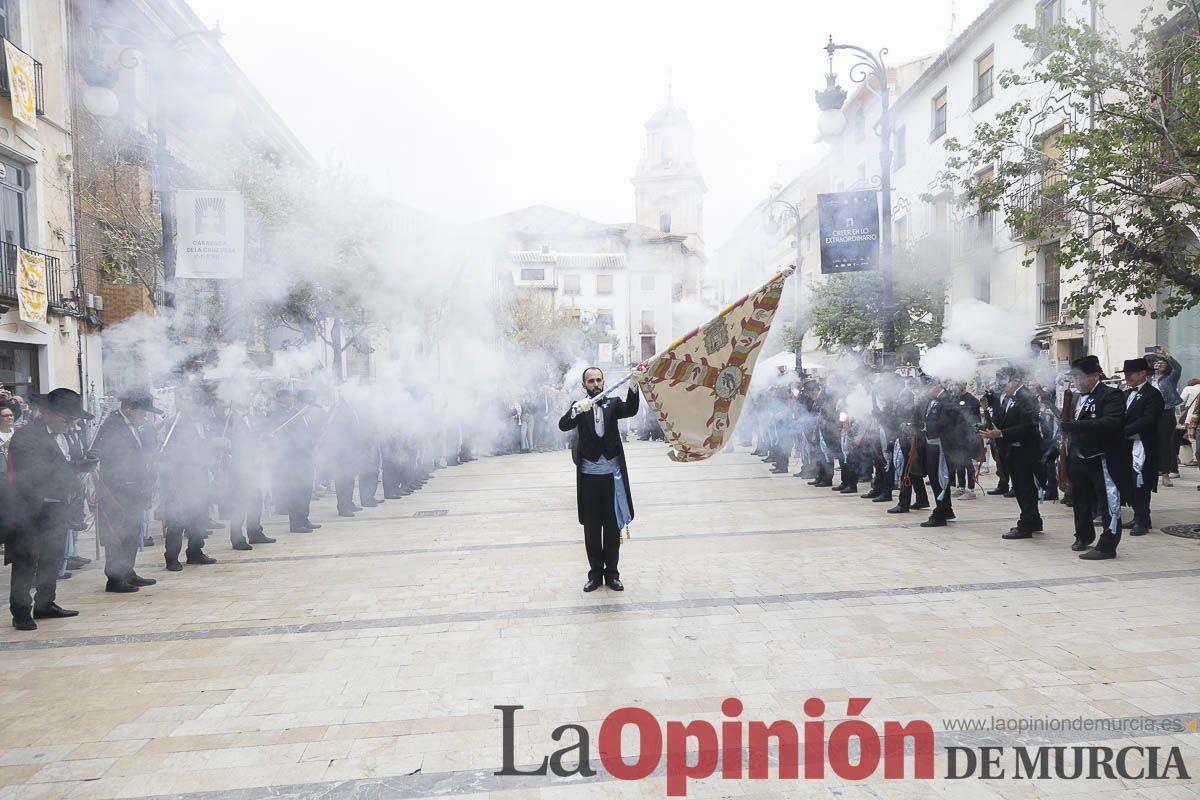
(1121, 198)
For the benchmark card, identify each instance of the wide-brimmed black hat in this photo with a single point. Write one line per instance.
(1088, 365)
(62, 401)
(1136, 365)
(142, 400)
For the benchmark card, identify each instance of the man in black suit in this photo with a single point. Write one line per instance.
(937, 425)
(1143, 410)
(47, 473)
(1099, 464)
(1019, 428)
(293, 436)
(244, 495)
(189, 454)
(126, 449)
(601, 479)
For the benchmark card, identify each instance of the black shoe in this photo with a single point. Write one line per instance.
(1079, 546)
(345, 513)
(137, 580)
(392, 496)
(53, 611)
(75, 562)
(119, 587)
(148, 541)
(24, 623)
(814, 481)
(199, 557)
(778, 471)
(1051, 498)
(592, 585)
(999, 490)
(311, 524)
(839, 487)
(951, 515)
(1016, 533)
(1139, 529)
(1010, 493)
(850, 489)
(64, 576)
(883, 498)
(897, 510)
(370, 502)
(616, 585)
(1090, 555)
(240, 544)
(822, 484)
(173, 565)
(933, 523)
(871, 495)
(799, 474)
(301, 529)
(920, 506)
(259, 538)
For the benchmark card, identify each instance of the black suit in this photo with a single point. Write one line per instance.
(1020, 422)
(1143, 411)
(46, 484)
(595, 494)
(125, 490)
(1099, 464)
(244, 494)
(188, 459)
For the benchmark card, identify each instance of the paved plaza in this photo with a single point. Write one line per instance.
(365, 659)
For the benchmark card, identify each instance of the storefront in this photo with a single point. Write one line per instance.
(19, 367)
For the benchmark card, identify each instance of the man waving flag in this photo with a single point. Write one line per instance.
(696, 387)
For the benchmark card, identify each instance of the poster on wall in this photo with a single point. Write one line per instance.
(849, 231)
(31, 286)
(209, 234)
(22, 84)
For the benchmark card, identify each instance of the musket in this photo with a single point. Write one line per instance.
(167, 438)
(906, 481)
(1063, 472)
(985, 408)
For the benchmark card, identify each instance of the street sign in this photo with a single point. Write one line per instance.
(210, 234)
(849, 231)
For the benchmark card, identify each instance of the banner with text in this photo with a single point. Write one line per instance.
(32, 298)
(22, 84)
(849, 231)
(209, 234)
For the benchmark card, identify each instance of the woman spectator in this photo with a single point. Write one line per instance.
(1166, 380)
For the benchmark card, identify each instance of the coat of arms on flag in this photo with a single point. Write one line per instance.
(696, 387)
(31, 286)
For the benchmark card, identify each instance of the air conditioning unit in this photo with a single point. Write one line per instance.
(98, 302)
(89, 300)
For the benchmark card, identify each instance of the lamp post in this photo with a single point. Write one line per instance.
(832, 122)
(790, 211)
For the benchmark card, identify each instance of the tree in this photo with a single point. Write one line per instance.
(1121, 197)
(848, 309)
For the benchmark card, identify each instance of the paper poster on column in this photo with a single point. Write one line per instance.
(22, 86)
(209, 234)
(31, 286)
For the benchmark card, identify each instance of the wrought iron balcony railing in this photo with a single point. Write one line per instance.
(1038, 208)
(1049, 303)
(985, 94)
(39, 92)
(8, 277)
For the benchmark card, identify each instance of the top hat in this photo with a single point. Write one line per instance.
(141, 400)
(1088, 365)
(64, 402)
(1136, 365)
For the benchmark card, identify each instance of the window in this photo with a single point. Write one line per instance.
(1048, 288)
(528, 274)
(664, 221)
(1049, 14)
(984, 219)
(899, 148)
(984, 73)
(5, 19)
(901, 235)
(571, 283)
(862, 174)
(19, 367)
(13, 184)
(983, 281)
(649, 348)
(1052, 153)
(604, 318)
(648, 321)
(860, 124)
(938, 121)
(604, 284)
(647, 283)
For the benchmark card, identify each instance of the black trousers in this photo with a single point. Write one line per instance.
(343, 486)
(246, 511)
(122, 537)
(998, 456)
(174, 532)
(1021, 465)
(1141, 504)
(36, 557)
(601, 536)
(917, 486)
(883, 479)
(942, 509)
(1090, 491)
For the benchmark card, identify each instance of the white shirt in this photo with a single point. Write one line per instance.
(60, 439)
(1133, 394)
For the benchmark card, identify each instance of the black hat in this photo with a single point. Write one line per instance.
(142, 400)
(63, 401)
(1136, 365)
(1088, 365)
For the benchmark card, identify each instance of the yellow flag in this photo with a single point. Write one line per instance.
(22, 84)
(31, 286)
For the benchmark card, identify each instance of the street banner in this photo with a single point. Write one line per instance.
(209, 234)
(696, 387)
(849, 231)
(31, 286)
(22, 85)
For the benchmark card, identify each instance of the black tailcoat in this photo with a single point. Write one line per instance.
(589, 446)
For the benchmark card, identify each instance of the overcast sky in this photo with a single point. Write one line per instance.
(471, 108)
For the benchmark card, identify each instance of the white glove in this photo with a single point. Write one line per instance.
(582, 406)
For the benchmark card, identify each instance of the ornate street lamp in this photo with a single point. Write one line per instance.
(778, 211)
(830, 101)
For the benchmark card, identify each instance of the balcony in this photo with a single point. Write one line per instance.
(8, 277)
(985, 94)
(38, 92)
(938, 131)
(1038, 211)
(1049, 303)
(973, 234)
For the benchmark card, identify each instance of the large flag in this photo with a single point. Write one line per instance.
(31, 286)
(696, 387)
(22, 84)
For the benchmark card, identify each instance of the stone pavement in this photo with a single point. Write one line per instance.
(364, 660)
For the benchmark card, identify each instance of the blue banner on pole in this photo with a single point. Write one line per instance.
(849, 231)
